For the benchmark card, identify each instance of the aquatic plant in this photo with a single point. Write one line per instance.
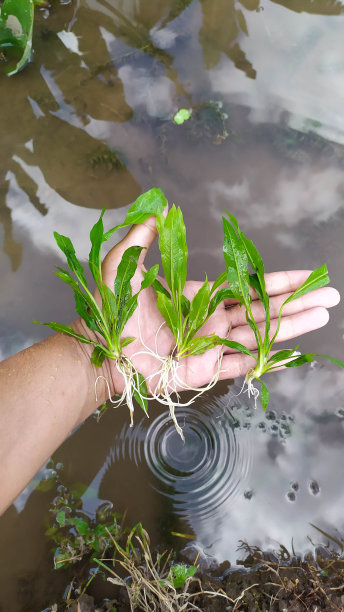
(241, 255)
(107, 319)
(16, 26)
(182, 317)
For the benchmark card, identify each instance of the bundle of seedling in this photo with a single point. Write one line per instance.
(185, 319)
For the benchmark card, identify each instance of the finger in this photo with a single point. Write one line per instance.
(277, 283)
(326, 297)
(291, 327)
(142, 235)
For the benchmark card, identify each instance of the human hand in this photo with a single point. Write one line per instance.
(152, 336)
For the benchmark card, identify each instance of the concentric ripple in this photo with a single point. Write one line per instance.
(200, 475)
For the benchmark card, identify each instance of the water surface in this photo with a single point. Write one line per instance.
(265, 84)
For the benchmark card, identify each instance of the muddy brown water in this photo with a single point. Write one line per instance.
(266, 141)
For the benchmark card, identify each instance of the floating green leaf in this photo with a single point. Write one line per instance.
(182, 115)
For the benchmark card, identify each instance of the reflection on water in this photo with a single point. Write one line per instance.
(265, 83)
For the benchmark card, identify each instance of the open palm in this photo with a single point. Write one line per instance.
(153, 336)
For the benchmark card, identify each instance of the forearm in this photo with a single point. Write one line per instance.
(46, 391)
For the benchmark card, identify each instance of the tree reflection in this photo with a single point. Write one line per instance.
(314, 7)
(223, 23)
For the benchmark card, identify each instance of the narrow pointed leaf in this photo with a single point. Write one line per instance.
(237, 347)
(126, 313)
(173, 249)
(66, 329)
(125, 273)
(66, 246)
(281, 355)
(185, 304)
(264, 395)
(201, 344)
(126, 341)
(198, 309)
(150, 276)
(309, 357)
(237, 264)
(81, 307)
(141, 397)
(159, 288)
(149, 204)
(219, 297)
(96, 236)
(318, 278)
(218, 282)
(168, 312)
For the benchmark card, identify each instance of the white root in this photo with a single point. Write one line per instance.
(131, 384)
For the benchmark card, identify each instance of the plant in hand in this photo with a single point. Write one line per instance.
(183, 317)
(108, 318)
(245, 269)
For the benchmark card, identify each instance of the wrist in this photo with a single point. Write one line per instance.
(99, 390)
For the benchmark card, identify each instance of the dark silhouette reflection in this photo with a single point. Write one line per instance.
(78, 167)
(223, 22)
(314, 7)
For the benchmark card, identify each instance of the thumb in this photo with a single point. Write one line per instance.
(142, 235)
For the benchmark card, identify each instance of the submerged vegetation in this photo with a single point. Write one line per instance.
(139, 577)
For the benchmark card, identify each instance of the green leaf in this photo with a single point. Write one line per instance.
(159, 288)
(182, 115)
(141, 397)
(264, 395)
(125, 273)
(17, 16)
(237, 264)
(168, 312)
(218, 282)
(66, 329)
(220, 296)
(173, 249)
(150, 277)
(96, 236)
(318, 278)
(198, 309)
(127, 312)
(237, 347)
(66, 246)
(126, 341)
(149, 204)
(201, 344)
(281, 355)
(98, 356)
(180, 572)
(185, 304)
(61, 518)
(81, 307)
(81, 526)
(309, 357)
(67, 278)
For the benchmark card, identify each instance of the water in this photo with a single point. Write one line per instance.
(265, 82)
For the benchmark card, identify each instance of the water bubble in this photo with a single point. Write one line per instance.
(340, 413)
(291, 496)
(271, 415)
(314, 487)
(294, 486)
(248, 494)
(262, 426)
(274, 429)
